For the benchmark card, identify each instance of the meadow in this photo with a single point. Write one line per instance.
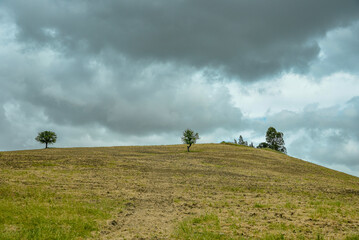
(216, 191)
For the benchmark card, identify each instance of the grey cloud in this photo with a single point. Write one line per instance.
(344, 117)
(340, 51)
(249, 39)
(328, 136)
(133, 98)
(44, 89)
(331, 148)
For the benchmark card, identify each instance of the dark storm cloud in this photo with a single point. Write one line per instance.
(104, 95)
(249, 39)
(133, 99)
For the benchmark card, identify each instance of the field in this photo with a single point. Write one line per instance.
(217, 191)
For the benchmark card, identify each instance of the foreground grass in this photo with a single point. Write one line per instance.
(37, 213)
(215, 192)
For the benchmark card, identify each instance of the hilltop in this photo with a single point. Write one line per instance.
(217, 191)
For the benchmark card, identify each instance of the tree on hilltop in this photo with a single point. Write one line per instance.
(46, 137)
(189, 137)
(274, 140)
(240, 140)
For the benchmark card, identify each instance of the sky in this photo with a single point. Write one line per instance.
(139, 72)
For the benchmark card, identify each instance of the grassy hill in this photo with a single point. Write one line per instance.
(217, 191)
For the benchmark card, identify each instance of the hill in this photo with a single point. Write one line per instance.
(217, 191)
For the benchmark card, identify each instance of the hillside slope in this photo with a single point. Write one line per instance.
(162, 192)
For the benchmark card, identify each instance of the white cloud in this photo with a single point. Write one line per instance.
(293, 92)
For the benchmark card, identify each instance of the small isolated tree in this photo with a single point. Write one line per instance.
(46, 137)
(275, 140)
(251, 145)
(189, 137)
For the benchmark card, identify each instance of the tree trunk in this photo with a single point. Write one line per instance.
(188, 147)
(46, 145)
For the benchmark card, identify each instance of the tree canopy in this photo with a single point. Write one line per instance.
(189, 137)
(274, 140)
(46, 137)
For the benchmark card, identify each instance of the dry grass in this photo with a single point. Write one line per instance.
(217, 191)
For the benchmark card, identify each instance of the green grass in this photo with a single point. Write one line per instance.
(258, 205)
(290, 205)
(204, 227)
(353, 237)
(274, 237)
(38, 213)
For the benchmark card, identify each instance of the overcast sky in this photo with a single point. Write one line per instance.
(115, 72)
